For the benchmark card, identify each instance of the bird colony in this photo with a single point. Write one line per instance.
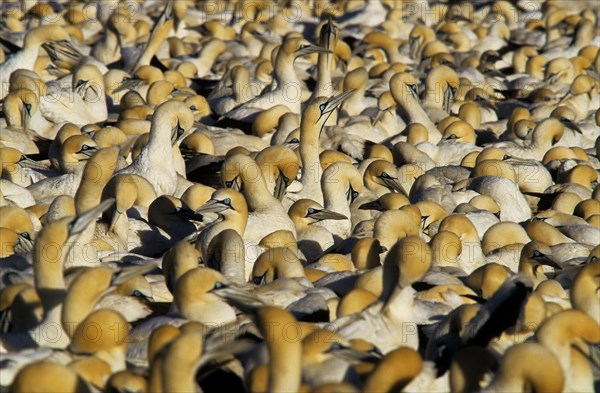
(300, 196)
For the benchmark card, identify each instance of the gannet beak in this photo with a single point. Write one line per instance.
(25, 116)
(449, 94)
(125, 274)
(307, 50)
(26, 162)
(413, 44)
(24, 244)
(281, 185)
(113, 220)
(326, 215)
(546, 260)
(570, 124)
(361, 47)
(238, 297)
(554, 77)
(489, 105)
(188, 214)
(379, 115)
(394, 184)
(80, 87)
(226, 349)
(336, 101)
(354, 356)
(212, 206)
(373, 205)
(81, 222)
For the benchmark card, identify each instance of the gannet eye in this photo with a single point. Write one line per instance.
(354, 195)
(311, 210)
(322, 107)
(137, 293)
(25, 235)
(28, 107)
(219, 285)
(452, 136)
(226, 201)
(537, 254)
(413, 87)
(546, 98)
(193, 107)
(453, 90)
(295, 140)
(385, 175)
(335, 346)
(85, 147)
(228, 184)
(256, 280)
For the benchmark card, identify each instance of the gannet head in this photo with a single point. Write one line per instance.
(177, 116)
(320, 109)
(383, 173)
(224, 201)
(307, 212)
(297, 46)
(46, 33)
(404, 85)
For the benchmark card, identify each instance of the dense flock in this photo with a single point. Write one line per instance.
(300, 196)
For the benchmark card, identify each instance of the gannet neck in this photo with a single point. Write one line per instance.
(278, 262)
(392, 225)
(254, 186)
(283, 68)
(48, 256)
(226, 253)
(13, 110)
(84, 292)
(179, 363)
(395, 370)
(240, 82)
(406, 98)
(285, 356)
(528, 364)
(97, 172)
(309, 153)
(51, 376)
(546, 134)
(585, 286)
